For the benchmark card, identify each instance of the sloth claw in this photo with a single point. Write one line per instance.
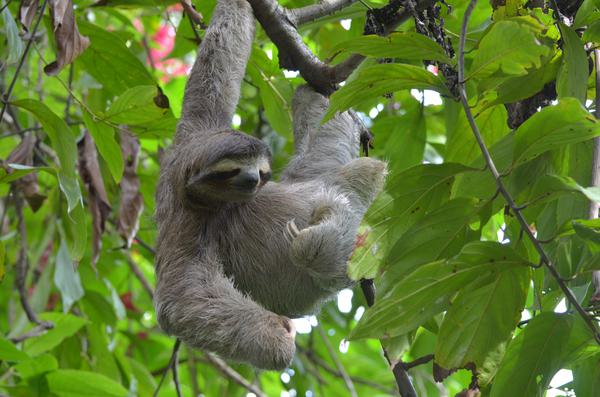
(291, 229)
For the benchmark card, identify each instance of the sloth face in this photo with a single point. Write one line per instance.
(229, 180)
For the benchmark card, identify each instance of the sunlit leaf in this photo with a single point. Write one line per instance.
(374, 81)
(72, 383)
(573, 73)
(508, 47)
(403, 45)
(65, 325)
(63, 142)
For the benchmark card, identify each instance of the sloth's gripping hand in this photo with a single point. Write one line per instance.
(198, 304)
(324, 246)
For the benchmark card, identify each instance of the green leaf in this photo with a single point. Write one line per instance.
(555, 183)
(553, 127)
(411, 46)
(36, 366)
(66, 277)
(63, 142)
(592, 33)
(9, 352)
(110, 62)
(65, 325)
(2, 260)
(549, 342)
(11, 31)
(108, 147)
(573, 73)
(374, 81)
(136, 106)
(432, 237)
(20, 170)
(428, 290)
(481, 319)
(509, 48)
(76, 383)
(586, 377)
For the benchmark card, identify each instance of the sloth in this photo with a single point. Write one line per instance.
(237, 254)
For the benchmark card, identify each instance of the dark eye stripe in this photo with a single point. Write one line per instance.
(222, 175)
(265, 176)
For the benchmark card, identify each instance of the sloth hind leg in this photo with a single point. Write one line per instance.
(362, 178)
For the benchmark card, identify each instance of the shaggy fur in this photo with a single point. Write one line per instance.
(229, 273)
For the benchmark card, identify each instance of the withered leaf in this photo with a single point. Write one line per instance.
(28, 184)
(132, 204)
(69, 42)
(27, 10)
(89, 169)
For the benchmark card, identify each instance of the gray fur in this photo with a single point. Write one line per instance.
(229, 272)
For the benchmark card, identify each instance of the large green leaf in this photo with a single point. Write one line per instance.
(65, 325)
(63, 142)
(66, 277)
(136, 106)
(110, 62)
(36, 366)
(108, 147)
(374, 81)
(9, 352)
(553, 127)
(404, 45)
(483, 318)
(11, 31)
(75, 383)
(549, 342)
(509, 48)
(428, 290)
(573, 73)
(433, 237)
(586, 377)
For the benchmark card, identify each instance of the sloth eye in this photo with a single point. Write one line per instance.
(264, 176)
(222, 175)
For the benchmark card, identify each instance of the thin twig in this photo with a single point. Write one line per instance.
(337, 362)
(507, 196)
(318, 361)
(233, 374)
(175, 367)
(7, 94)
(36, 331)
(172, 364)
(140, 276)
(593, 213)
(418, 361)
(193, 371)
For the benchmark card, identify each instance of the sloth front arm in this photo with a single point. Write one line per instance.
(213, 89)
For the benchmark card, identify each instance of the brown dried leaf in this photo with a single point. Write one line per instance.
(89, 169)
(28, 184)
(132, 203)
(27, 11)
(69, 42)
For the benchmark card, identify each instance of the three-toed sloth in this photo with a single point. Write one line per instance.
(237, 255)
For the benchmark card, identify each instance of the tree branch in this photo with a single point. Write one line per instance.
(337, 362)
(300, 16)
(278, 23)
(593, 213)
(6, 96)
(233, 374)
(140, 276)
(505, 193)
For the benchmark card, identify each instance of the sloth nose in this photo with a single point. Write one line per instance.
(247, 180)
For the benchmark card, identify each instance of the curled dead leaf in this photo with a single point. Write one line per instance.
(27, 10)
(132, 204)
(98, 204)
(69, 42)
